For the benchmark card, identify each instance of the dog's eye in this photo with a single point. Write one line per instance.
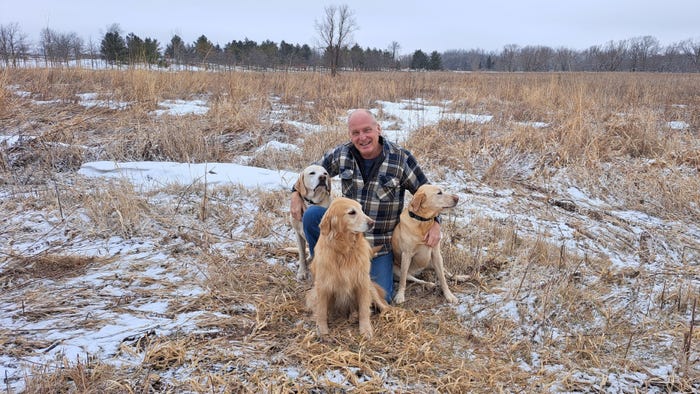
(352, 212)
(440, 192)
(312, 173)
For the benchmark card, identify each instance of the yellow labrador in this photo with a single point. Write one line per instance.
(411, 254)
(314, 187)
(340, 268)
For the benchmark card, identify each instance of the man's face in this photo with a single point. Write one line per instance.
(364, 134)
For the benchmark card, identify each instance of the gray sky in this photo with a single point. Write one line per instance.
(427, 25)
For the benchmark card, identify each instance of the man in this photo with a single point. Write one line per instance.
(376, 173)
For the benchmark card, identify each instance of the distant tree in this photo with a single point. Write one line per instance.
(691, 50)
(176, 50)
(536, 58)
(113, 48)
(335, 31)
(641, 51)
(269, 50)
(357, 57)
(203, 48)
(612, 55)
(435, 61)
(564, 59)
(13, 44)
(135, 49)
(60, 47)
(419, 60)
(509, 57)
(394, 50)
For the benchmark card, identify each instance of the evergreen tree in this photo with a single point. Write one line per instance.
(419, 60)
(203, 48)
(435, 62)
(176, 50)
(113, 48)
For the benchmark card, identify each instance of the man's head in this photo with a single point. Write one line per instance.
(364, 133)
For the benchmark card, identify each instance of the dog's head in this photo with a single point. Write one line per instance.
(430, 200)
(345, 216)
(314, 184)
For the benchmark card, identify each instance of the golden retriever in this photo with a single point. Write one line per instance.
(411, 254)
(341, 266)
(314, 187)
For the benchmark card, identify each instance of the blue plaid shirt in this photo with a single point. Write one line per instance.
(381, 192)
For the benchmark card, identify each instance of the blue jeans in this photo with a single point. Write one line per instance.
(381, 268)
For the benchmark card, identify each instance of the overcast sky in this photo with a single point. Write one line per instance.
(429, 25)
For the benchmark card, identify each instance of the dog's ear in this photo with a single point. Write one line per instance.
(417, 201)
(300, 186)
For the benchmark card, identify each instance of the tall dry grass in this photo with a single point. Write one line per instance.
(607, 132)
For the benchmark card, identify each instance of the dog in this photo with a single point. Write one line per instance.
(314, 187)
(341, 267)
(411, 254)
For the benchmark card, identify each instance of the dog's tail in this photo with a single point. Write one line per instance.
(378, 299)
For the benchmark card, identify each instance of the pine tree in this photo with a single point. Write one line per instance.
(435, 62)
(419, 60)
(113, 48)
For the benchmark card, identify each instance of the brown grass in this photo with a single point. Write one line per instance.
(573, 318)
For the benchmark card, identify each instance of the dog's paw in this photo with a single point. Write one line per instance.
(399, 298)
(302, 274)
(366, 331)
(451, 298)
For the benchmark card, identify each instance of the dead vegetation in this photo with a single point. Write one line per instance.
(564, 296)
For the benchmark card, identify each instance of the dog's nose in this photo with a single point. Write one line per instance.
(456, 199)
(370, 224)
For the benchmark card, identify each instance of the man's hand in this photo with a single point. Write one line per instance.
(296, 206)
(432, 237)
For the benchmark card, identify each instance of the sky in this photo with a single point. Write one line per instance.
(427, 25)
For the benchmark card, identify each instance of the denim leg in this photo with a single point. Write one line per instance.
(382, 272)
(312, 222)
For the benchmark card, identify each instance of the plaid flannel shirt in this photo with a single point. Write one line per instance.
(382, 196)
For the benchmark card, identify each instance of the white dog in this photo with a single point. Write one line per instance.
(314, 187)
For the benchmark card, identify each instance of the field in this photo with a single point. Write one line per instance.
(578, 224)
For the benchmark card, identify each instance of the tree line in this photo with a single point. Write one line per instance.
(58, 48)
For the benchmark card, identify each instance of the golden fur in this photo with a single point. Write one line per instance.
(411, 254)
(314, 186)
(341, 266)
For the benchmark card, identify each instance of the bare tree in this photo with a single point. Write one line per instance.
(394, 49)
(691, 50)
(335, 31)
(13, 44)
(642, 49)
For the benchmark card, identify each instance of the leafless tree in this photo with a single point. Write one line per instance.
(565, 58)
(13, 44)
(60, 47)
(508, 56)
(641, 50)
(691, 50)
(394, 49)
(335, 31)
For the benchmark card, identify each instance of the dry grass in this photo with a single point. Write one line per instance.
(536, 316)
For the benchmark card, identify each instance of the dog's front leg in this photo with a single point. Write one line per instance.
(364, 302)
(400, 296)
(440, 272)
(302, 271)
(321, 313)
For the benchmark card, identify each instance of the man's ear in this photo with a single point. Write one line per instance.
(300, 186)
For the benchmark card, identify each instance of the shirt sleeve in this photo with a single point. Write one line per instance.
(413, 174)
